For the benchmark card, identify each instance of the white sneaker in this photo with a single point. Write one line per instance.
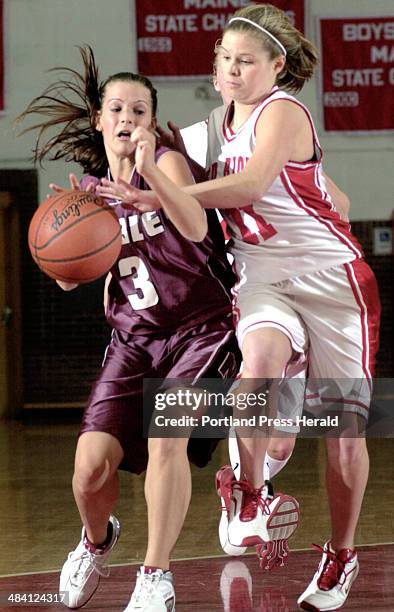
(153, 592)
(224, 481)
(261, 517)
(331, 584)
(80, 575)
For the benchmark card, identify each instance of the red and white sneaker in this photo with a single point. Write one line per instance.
(261, 518)
(272, 554)
(225, 480)
(331, 584)
(236, 587)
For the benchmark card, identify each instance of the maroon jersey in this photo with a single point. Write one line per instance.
(161, 279)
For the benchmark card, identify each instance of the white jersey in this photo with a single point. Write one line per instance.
(294, 229)
(195, 139)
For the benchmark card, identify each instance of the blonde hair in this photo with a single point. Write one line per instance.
(301, 54)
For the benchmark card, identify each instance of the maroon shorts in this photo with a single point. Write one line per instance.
(115, 405)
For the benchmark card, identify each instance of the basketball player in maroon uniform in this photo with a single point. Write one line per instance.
(170, 309)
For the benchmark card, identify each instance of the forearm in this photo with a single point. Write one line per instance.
(199, 173)
(232, 191)
(183, 210)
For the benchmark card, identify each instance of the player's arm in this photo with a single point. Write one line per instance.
(339, 198)
(278, 140)
(75, 185)
(165, 178)
(285, 134)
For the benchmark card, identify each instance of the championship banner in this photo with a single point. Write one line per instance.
(2, 60)
(176, 38)
(357, 74)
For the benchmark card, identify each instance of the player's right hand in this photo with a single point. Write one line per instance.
(74, 183)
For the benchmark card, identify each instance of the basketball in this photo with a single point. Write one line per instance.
(74, 236)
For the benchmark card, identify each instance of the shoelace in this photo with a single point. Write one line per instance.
(332, 571)
(145, 587)
(86, 558)
(252, 499)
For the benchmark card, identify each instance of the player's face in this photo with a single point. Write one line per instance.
(126, 105)
(247, 71)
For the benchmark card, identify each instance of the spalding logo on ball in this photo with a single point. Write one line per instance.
(75, 236)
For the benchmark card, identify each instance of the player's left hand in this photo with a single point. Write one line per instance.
(131, 197)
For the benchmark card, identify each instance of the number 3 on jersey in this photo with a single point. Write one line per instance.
(145, 294)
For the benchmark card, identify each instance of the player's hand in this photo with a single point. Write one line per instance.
(173, 138)
(67, 286)
(74, 184)
(131, 197)
(145, 142)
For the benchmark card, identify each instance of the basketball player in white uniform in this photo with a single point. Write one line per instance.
(302, 280)
(192, 141)
(303, 283)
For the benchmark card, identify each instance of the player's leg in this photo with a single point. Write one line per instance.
(278, 453)
(95, 486)
(291, 399)
(167, 493)
(271, 336)
(290, 403)
(266, 351)
(346, 478)
(273, 340)
(95, 482)
(345, 331)
(208, 350)
(110, 426)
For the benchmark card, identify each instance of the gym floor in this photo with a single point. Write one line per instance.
(40, 525)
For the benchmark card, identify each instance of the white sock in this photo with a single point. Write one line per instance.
(274, 465)
(233, 452)
(271, 466)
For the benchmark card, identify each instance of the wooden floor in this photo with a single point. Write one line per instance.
(40, 525)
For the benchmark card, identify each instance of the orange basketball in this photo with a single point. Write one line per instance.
(75, 236)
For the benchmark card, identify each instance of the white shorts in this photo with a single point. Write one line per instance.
(331, 318)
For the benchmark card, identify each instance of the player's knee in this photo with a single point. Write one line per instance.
(90, 475)
(281, 450)
(347, 452)
(264, 360)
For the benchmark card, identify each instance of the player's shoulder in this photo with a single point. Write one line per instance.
(217, 115)
(218, 112)
(160, 151)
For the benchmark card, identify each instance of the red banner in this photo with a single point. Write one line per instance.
(2, 61)
(357, 82)
(176, 38)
